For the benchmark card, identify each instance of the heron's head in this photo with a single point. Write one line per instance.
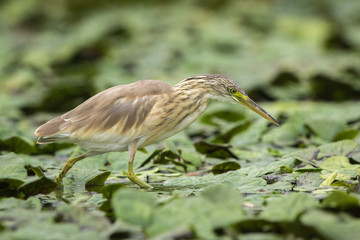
(224, 88)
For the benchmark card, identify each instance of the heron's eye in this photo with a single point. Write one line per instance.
(232, 90)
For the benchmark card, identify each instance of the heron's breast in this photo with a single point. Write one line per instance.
(174, 123)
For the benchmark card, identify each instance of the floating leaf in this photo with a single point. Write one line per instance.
(192, 157)
(41, 185)
(341, 148)
(346, 134)
(288, 133)
(341, 200)
(288, 208)
(133, 206)
(340, 164)
(203, 214)
(214, 150)
(98, 180)
(326, 128)
(329, 180)
(89, 177)
(331, 226)
(30, 203)
(225, 167)
(14, 139)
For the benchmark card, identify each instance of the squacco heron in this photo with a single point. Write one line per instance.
(128, 117)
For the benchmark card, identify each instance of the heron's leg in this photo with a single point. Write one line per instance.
(130, 174)
(69, 163)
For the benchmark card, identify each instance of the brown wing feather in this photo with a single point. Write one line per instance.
(130, 103)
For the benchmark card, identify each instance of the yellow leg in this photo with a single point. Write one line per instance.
(130, 174)
(69, 163)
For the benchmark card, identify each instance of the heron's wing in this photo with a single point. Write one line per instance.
(117, 109)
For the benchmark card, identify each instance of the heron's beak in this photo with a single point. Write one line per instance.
(247, 102)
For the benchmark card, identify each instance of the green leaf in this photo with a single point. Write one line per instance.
(192, 157)
(346, 134)
(110, 189)
(40, 185)
(332, 226)
(218, 206)
(229, 134)
(341, 148)
(12, 166)
(287, 208)
(225, 167)
(10, 203)
(341, 200)
(326, 128)
(12, 174)
(308, 180)
(14, 139)
(134, 206)
(288, 133)
(329, 180)
(98, 180)
(89, 177)
(242, 179)
(340, 164)
(218, 193)
(214, 150)
(251, 135)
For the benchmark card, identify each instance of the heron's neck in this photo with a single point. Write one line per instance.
(196, 89)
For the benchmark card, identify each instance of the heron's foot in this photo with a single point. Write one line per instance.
(132, 177)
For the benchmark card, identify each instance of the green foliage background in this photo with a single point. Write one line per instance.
(231, 174)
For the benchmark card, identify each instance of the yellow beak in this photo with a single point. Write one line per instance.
(247, 102)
